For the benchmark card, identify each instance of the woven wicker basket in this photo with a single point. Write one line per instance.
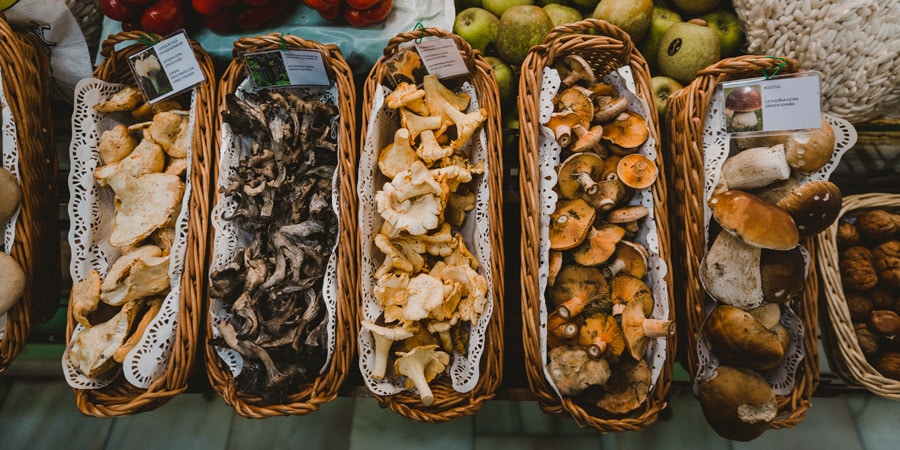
(840, 344)
(448, 403)
(25, 68)
(120, 397)
(310, 396)
(685, 117)
(607, 49)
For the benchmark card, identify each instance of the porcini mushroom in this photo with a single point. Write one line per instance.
(739, 404)
(754, 220)
(628, 131)
(420, 366)
(738, 339)
(782, 274)
(628, 217)
(755, 167)
(630, 258)
(601, 335)
(814, 206)
(576, 287)
(809, 150)
(638, 329)
(637, 171)
(10, 195)
(729, 271)
(743, 102)
(570, 224)
(599, 245)
(384, 339)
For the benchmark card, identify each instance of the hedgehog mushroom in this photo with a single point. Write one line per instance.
(638, 329)
(602, 336)
(570, 224)
(576, 287)
(420, 366)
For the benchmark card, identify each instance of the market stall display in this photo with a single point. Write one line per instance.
(431, 337)
(596, 281)
(139, 205)
(283, 270)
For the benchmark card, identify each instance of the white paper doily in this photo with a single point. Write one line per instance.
(91, 213)
(229, 237)
(10, 161)
(716, 149)
(464, 371)
(647, 235)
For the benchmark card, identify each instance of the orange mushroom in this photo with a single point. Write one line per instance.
(570, 224)
(576, 287)
(628, 131)
(638, 329)
(555, 263)
(602, 336)
(630, 258)
(599, 245)
(637, 171)
(574, 100)
(562, 123)
(627, 289)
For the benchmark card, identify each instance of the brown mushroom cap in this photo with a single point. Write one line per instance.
(626, 390)
(637, 171)
(579, 70)
(738, 403)
(808, 151)
(602, 336)
(638, 329)
(599, 245)
(630, 258)
(10, 195)
(562, 123)
(782, 274)
(629, 130)
(579, 173)
(754, 221)
(814, 206)
(12, 282)
(574, 100)
(577, 286)
(555, 263)
(607, 107)
(738, 339)
(743, 99)
(570, 224)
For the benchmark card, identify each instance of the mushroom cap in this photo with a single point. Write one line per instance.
(555, 263)
(754, 220)
(814, 206)
(633, 330)
(637, 171)
(738, 339)
(626, 389)
(10, 195)
(570, 224)
(627, 289)
(607, 107)
(574, 100)
(743, 99)
(588, 139)
(562, 124)
(782, 274)
(579, 69)
(585, 283)
(599, 245)
(630, 258)
(628, 130)
(627, 214)
(808, 151)
(605, 327)
(738, 403)
(573, 167)
(13, 282)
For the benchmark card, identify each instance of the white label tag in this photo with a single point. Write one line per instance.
(441, 58)
(166, 68)
(792, 102)
(283, 68)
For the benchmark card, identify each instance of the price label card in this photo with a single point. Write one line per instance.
(441, 58)
(790, 102)
(167, 68)
(283, 68)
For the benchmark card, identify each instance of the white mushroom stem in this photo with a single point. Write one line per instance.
(567, 330)
(563, 135)
(618, 309)
(744, 119)
(587, 183)
(658, 328)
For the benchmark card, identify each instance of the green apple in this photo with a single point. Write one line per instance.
(524, 26)
(506, 79)
(498, 7)
(587, 5)
(660, 21)
(632, 16)
(464, 4)
(543, 3)
(730, 34)
(561, 14)
(686, 48)
(696, 7)
(663, 87)
(477, 26)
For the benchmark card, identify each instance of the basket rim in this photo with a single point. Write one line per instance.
(562, 41)
(311, 395)
(448, 403)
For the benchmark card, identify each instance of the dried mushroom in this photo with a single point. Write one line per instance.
(273, 287)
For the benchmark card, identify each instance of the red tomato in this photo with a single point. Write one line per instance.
(332, 13)
(317, 5)
(210, 7)
(362, 4)
(375, 14)
(164, 17)
(118, 10)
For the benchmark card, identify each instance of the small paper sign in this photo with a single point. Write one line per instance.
(283, 68)
(441, 58)
(167, 68)
(791, 102)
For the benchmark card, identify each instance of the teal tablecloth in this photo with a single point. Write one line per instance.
(361, 47)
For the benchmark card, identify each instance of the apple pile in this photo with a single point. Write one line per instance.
(359, 13)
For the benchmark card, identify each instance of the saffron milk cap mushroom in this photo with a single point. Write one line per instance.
(580, 174)
(562, 123)
(628, 216)
(754, 220)
(576, 287)
(628, 131)
(638, 329)
(637, 171)
(599, 245)
(626, 389)
(630, 258)
(627, 289)
(588, 139)
(607, 107)
(579, 70)
(575, 101)
(601, 335)
(570, 224)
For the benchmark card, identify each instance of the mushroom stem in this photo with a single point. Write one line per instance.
(418, 378)
(587, 183)
(618, 308)
(597, 347)
(563, 134)
(382, 348)
(658, 327)
(572, 307)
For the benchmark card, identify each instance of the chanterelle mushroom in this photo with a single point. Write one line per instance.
(384, 338)
(572, 371)
(420, 366)
(397, 156)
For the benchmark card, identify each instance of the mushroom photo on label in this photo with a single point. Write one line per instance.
(743, 105)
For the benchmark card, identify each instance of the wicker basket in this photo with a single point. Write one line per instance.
(685, 117)
(448, 403)
(840, 344)
(607, 49)
(23, 61)
(310, 396)
(120, 397)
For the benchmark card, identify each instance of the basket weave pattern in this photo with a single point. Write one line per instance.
(36, 246)
(685, 116)
(448, 403)
(324, 387)
(841, 346)
(121, 398)
(607, 51)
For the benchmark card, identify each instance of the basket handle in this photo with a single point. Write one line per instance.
(277, 40)
(746, 65)
(393, 45)
(587, 25)
(108, 46)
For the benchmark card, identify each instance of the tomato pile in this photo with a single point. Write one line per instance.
(358, 13)
(166, 16)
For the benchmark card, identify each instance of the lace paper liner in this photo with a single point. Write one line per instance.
(464, 372)
(716, 149)
(229, 237)
(91, 213)
(646, 236)
(10, 161)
